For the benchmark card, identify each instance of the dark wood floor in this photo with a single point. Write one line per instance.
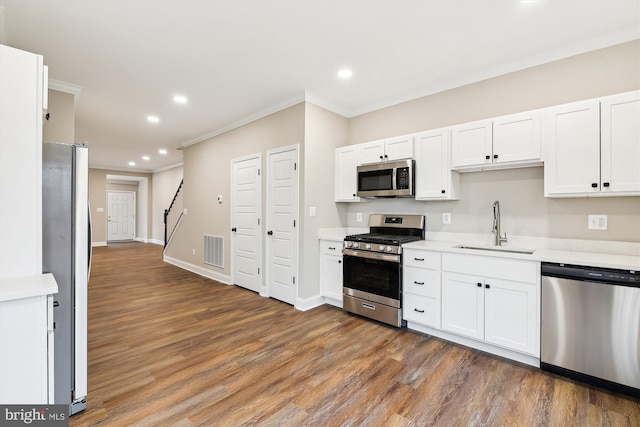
(170, 348)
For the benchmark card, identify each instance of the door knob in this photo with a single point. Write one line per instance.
(270, 233)
(234, 229)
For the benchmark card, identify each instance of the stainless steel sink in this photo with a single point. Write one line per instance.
(497, 249)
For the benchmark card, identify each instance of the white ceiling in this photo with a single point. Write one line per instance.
(239, 59)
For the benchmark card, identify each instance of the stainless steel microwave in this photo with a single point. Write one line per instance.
(388, 179)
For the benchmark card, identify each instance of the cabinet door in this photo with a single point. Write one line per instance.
(463, 305)
(331, 276)
(511, 318)
(398, 148)
(421, 281)
(572, 163)
(346, 174)
(471, 144)
(370, 152)
(434, 178)
(620, 143)
(516, 138)
(421, 309)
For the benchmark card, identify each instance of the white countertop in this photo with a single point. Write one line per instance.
(618, 255)
(27, 286)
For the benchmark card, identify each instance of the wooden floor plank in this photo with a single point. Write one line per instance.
(171, 348)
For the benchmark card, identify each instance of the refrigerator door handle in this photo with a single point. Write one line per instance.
(90, 242)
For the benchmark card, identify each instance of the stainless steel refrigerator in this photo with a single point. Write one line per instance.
(66, 252)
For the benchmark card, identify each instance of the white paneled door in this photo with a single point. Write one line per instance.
(246, 227)
(282, 223)
(121, 215)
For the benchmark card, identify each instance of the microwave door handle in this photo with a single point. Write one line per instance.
(394, 175)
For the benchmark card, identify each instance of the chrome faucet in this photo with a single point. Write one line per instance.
(496, 224)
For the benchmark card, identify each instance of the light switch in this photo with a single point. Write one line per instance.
(99, 209)
(313, 211)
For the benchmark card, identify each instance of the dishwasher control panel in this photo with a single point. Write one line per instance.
(592, 274)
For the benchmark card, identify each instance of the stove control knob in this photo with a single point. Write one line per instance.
(381, 248)
(355, 245)
(389, 248)
(347, 244)
(367, 246)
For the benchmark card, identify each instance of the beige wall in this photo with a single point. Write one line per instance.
(525, 211)
(60, 126)
(601, 72)
(207, 174)
(324, 132)
(165, 184)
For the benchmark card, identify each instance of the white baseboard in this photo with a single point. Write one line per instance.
(304, 304)
(223, 278)
(94, 244)
(156, 242)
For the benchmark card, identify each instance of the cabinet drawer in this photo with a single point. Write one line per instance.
(500, 268)
(419, 258)
(421, 281)
(422, 310)
(328, 247)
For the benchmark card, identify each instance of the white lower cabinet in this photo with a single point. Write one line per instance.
(331, 271)
(421, 287)
(492, 299)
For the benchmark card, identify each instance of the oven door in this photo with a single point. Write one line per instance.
(367, 276)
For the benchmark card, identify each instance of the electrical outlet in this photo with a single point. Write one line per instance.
(597, 222)
(359, 217)
(446, 217)
(194, 251)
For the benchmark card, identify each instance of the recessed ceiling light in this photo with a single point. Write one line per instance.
(153, 119)
(146, 158)
(132, 163)
(179, 99)
(345, 73)
(162, 151)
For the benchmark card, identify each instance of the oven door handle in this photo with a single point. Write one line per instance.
(372, 255)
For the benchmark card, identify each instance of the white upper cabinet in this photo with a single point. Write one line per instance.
(434, 178)
(397, 148)
(472, 144)
(594, 148)
(346, 175)
(516, 138)
(504, 142)
(620, 144)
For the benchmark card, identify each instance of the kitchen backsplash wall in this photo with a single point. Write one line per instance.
(524, 209)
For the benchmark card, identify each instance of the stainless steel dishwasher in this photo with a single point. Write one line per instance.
(591, 325)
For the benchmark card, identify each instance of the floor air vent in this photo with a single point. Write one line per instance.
(214, 250)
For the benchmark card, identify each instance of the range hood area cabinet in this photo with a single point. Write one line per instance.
(385, 150)
(500, 143)
(594, 148)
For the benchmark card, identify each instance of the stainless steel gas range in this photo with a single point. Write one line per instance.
(372, 266)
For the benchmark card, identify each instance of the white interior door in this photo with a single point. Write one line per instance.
(121, 215)
(246, 227)
(282, 222)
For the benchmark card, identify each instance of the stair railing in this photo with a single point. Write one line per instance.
(173, 214)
